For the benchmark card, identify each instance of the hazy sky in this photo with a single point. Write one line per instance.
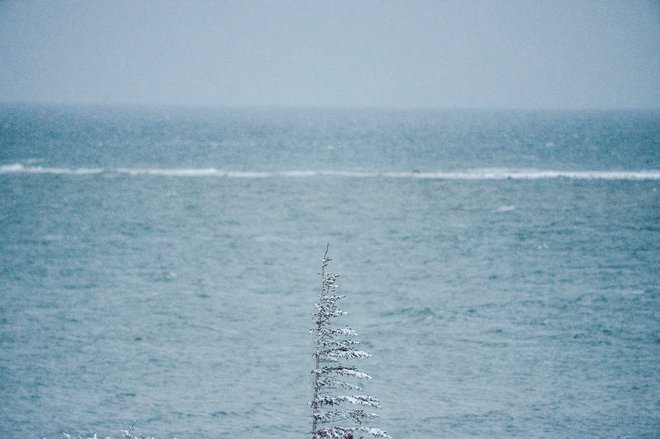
(446, 54)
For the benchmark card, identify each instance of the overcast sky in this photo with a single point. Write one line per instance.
(444, 54)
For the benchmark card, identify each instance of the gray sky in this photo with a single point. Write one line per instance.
(445, 54)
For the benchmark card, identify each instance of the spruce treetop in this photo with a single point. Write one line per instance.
(336, 414)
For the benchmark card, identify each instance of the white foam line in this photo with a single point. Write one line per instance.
(17, 168)
(533, 175)
(474, 174)
(183, 172)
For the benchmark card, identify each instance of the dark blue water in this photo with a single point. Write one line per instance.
(159, 267)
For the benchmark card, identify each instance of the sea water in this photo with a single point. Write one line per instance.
(159, 268)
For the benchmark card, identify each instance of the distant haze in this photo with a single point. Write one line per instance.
(444, 54)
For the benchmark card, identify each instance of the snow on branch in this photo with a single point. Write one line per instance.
(331, 349)
(326, 399)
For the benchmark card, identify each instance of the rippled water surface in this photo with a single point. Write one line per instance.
(159, 267)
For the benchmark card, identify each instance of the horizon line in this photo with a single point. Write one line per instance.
(300, 107)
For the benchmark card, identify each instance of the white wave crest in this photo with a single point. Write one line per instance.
(473, 174)
(18, 168)
(183, 172)
(522, 174)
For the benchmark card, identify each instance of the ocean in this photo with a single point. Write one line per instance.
(160, 266)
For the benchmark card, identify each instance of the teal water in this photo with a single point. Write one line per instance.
(159, 267)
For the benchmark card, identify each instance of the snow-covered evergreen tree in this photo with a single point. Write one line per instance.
(331, 418)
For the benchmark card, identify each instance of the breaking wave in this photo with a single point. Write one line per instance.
(472, 174)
